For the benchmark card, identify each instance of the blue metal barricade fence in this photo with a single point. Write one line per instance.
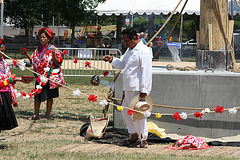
(91, 55)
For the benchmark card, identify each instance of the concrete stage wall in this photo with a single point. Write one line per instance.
(197, 89)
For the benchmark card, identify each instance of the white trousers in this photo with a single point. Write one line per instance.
(138, 126)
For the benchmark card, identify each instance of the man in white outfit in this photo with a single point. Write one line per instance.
(137, 80)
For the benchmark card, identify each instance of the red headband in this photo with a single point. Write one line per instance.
(2, 41)
(48, 31)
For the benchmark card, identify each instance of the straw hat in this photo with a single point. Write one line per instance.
(142, 105)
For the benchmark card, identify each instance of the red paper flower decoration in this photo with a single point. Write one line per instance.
(219, 109)
(177, 116)
(15, 104)
(75, 61)
(87, 64)
(15, 62)
(198, 114)
(23, 93)
(130, 112)
(39, 91)
(30, 95)
(48, 52)
(34, 92)
(92, 98)
(64, 52)
(105, 73)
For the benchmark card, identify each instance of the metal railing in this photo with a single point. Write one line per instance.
(92, 55)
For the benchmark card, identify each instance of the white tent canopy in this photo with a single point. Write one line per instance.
(148, 7)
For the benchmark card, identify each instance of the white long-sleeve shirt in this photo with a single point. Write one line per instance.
(137, 65)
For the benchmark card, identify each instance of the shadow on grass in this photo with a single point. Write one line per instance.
(67, 116)
(74, 117)
(23, 114)
(3, 146)
(20, 133)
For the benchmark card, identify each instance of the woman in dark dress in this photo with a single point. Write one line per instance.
(7, 93)
(46, 61)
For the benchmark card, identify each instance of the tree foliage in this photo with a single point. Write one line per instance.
(73, 12)
(25, 14)
(140, 23)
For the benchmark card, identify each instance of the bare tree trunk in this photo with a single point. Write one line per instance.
(29, 33)
(72, 36)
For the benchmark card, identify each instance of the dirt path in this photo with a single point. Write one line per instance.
(155, 149)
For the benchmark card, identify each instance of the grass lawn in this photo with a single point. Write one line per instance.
(41, 139)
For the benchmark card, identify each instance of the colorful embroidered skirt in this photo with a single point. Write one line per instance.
(46, 93)
(7, 116)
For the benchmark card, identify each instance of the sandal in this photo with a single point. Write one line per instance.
(143, 145)
(34, 118)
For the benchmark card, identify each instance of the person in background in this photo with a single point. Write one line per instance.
(35, 36)
(143, 37)
(137, 80)
(164, 38)
(8, 119)
(46, 61)
(150, 47)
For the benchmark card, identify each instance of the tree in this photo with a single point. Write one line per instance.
(25, 14)
(73, 12)
(140, 24)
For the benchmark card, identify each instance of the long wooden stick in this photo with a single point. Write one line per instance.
(171, 30)
(164, 23)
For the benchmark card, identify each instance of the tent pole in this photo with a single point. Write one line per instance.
(132, 19)
(231, 9)
(180, 36)
(2, 8)
(164, 23)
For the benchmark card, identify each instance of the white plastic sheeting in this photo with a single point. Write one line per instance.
(173, 48)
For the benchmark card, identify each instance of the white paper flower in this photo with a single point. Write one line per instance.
(109, 74)
(203, 111)
(77, 92)
(43, 79)
(38, 87)
(26, 97)
(183, 115)
(147, 114)
(233, 110)
(22, 66)
(103, 103)
(18, 94)
(207, 110)
(49, 58)
(46, 69)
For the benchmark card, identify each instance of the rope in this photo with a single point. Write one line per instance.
(36, 72)
(164, 23)
(177, 107)
(171, 30)
(186, 68)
